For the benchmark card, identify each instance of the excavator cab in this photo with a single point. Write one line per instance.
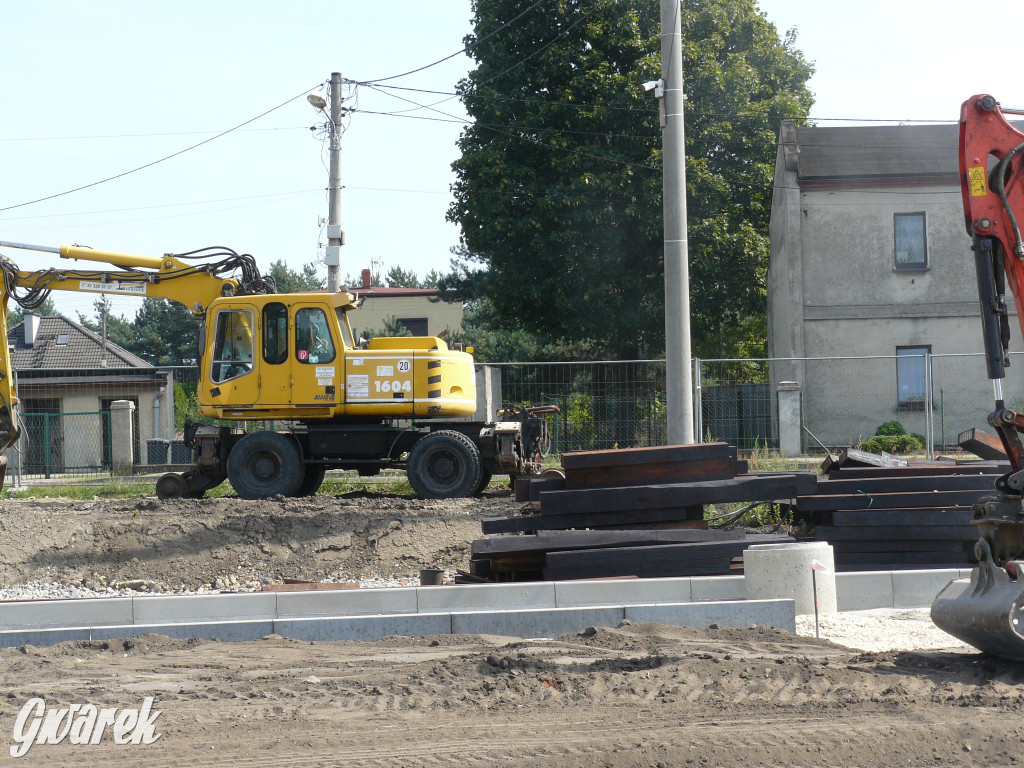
(986, 610)
(291, 356)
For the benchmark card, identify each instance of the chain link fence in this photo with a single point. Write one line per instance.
(602, 405)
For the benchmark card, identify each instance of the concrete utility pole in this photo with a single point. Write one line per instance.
(335, 236)
(678, 372)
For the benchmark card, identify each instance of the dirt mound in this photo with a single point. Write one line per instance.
(193, 543)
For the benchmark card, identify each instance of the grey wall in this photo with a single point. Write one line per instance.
(834, 291)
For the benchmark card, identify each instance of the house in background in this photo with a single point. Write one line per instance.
(67, 377)
(871, 281)
(417, 309)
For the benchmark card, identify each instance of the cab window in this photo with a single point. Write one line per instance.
(275, 333)
(346, 329)
(313, 343)
(232, 346)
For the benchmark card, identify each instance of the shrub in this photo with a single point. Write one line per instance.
(893, 444)
(891, 429)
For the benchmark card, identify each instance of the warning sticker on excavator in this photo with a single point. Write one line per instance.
(976, 180)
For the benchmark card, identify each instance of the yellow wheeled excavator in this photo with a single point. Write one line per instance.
(291, 358)
(987, 610)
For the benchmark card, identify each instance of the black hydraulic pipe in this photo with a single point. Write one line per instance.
(993, 306)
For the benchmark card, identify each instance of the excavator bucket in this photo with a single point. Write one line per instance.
(985, 611)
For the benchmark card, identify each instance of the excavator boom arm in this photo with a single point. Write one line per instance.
(988, 610)
(195, 285)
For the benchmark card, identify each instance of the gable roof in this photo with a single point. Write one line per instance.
(874, 154)
(82, 349)
(378, 291)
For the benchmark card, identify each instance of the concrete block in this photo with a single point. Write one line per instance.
(16, 638)
(346, 602)
(535, 594)
(550, 622)
(569, 594)
(863, 591)
(965, 573)
(174, 609)
(718, 588)
(917, 589)
(225, 631)
(365, 627)
(785, 571)
(65, 613)
(728, 614)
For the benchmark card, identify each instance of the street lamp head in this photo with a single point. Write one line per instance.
(316, 98)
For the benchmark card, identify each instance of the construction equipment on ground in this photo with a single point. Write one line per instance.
(292, 358)
(987, 610)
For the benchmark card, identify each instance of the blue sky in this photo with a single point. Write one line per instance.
(95, 89)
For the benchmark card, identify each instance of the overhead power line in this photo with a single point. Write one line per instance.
(452, 55)
(143, 135)
(529, 139)
(155, 162)
(689, 113)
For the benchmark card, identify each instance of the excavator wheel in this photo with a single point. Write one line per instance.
(312, 479)
(444, 465)
(485, 480)
(265, 464)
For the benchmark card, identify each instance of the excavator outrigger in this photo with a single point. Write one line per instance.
(263, 356)
(987, 611)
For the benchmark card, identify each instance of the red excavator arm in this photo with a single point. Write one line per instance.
(988, 611)
(992, 187)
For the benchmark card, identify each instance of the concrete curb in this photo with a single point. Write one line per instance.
(530, 608)
(528, 622)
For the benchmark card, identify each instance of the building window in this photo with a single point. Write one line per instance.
(910, 377)
(417, 326)
(911, 241)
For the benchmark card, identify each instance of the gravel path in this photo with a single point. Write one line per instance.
(882, 629)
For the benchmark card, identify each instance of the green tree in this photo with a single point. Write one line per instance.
(289, 281)
(165, 333)
(119, 330)
(401, 278)
(558, 189)
(16, 314)
(391, 328)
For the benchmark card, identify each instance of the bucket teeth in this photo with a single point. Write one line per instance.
(984, 611)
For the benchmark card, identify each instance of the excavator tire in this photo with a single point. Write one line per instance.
(444, 465)
(312, 479)
(265, 464)
(485, 480)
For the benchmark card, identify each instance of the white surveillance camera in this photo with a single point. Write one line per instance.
(658, 86)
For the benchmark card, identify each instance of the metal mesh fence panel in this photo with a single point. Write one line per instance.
(66, 424)
(602, 404)
(735, 403)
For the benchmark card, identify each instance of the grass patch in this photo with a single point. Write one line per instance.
(134, 488)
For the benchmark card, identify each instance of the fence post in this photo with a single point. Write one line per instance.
(929, 409)
(698, 403)
(488, 392)
(122, 441)
(790, 439)
(46, 446)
